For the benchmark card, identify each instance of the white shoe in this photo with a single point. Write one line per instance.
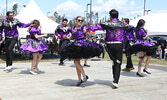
(9, 67)
(33, 73)
(6, 69)
(115, 85)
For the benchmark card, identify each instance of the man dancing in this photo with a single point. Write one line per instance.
(9, 27)
(129, 40)
(115, 30)
(63, 32)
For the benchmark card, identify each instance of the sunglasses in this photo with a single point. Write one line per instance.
(80, 20)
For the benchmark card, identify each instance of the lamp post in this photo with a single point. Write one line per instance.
(147, 11)
(90, 11)
(6, 6)
(48, 13)
(87, 7)
(24, 6)
(144, 7)
(87, 14)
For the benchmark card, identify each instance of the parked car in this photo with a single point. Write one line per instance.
(151, 40)
(161, 40)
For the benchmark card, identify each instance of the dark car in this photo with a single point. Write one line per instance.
(151, 40)
(161, 40)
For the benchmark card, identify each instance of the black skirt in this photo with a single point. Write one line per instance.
(81, 49)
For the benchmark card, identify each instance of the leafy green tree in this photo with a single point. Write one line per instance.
(15, 7)
(56, 16)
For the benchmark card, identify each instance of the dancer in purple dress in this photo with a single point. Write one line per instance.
(80, 48)
(9, 27)
(35, 45)
(142, 46)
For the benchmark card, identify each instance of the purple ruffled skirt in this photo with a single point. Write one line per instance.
(34, 45)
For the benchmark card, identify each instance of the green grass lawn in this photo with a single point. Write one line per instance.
(135, 60)
(154, 61)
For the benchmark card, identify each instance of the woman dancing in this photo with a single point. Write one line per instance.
(144, 47)
(35, 45)
(80, 48)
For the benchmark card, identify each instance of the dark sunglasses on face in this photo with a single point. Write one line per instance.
(80, 20)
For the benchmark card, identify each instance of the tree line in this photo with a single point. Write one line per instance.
(58, 17)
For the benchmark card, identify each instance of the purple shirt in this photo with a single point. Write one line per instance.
(33, 31)
(63, 31)
(139, 35)
(114, 30)
(10, 27)
(129, 33)
(78, 33)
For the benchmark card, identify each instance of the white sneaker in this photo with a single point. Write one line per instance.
(9, 67)
(115, 85)
(33, 73)
(5, 69)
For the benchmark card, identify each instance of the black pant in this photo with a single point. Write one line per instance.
(9, 45)
(103, 52)
(128, 55)
(61, 46)
(116, 50)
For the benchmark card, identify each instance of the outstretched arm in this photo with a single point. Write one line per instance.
(22, 25)
(39, 36)
(94, 28)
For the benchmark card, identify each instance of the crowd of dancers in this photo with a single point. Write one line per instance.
(117, 33)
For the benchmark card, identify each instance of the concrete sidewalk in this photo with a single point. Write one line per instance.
(58, 83)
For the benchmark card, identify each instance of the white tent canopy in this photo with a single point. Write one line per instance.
(156, 23)
(31, 12)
